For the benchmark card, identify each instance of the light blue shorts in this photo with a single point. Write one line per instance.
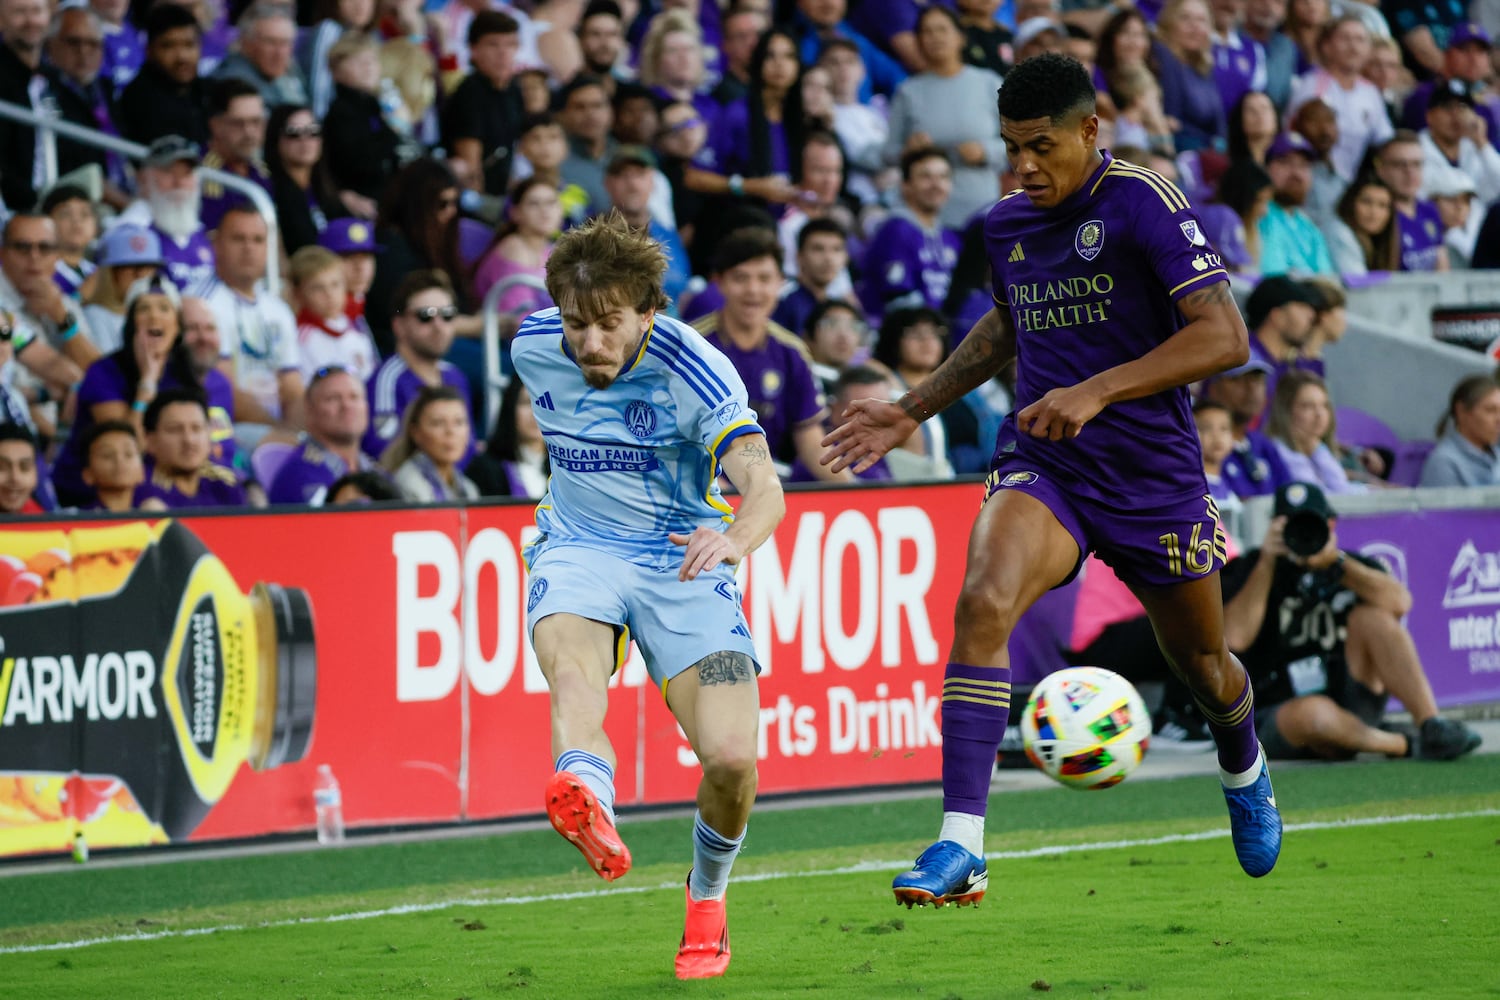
(676, 623)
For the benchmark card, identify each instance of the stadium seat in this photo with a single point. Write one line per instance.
(473, 239)
(1410, 457)
(268, 459)
(1358, 429)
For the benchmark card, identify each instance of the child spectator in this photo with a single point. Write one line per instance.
(1216, 436)
(424, 459)
(354, 241)
(542, 146)
(521, 246)
(114, 467)
(177, 440)
(77, 228)
(325, 333)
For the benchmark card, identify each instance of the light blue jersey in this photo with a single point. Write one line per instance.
(639, 459)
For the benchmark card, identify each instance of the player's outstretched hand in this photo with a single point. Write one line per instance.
(1061, 414)
(706, 548)
(871, 428)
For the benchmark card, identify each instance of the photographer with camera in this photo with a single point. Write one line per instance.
(1320, 631)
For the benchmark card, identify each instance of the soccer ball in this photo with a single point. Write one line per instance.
(1086, 727)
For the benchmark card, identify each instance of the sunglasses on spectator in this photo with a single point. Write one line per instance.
(427, 314)
(313, 131)
(28, 248)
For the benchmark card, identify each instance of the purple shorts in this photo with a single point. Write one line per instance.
(1151, 547)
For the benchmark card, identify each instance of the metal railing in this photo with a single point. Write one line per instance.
(135, 151)
(495, 379)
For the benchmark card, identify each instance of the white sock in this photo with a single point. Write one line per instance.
(1244, 778)
(713, 856)
(964, 829)
(595, 772)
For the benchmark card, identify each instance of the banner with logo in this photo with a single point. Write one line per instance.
(183, 679)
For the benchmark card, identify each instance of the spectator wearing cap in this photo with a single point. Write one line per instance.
(587, 117)
(601, 41)
(1456, 137)
(126, 254)
(28, 159)
(1254, 466)
(909, 260)
(180, 473)
(301, 187)
(1344, 46)
(1290, 240)
(237, 124)
(267, 35)
(818, 20)
(75, 51)
(1466, 67)
(124, 43)
(361, 148)
(1280, 315)
(1452, 192)
(338, 416)
(482, 117)
(1185, 60)
(167, 97)
(326, 334)
(19, 478)
(1426, 29)
(260, 353)
(951, 106)
(72, 212)
(1035, 35)
(629, 181)
(1399, 162)
(170, 203)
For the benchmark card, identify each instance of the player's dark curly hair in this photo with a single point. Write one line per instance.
(1050, 85)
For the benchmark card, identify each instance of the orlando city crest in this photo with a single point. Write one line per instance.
(1090, 239)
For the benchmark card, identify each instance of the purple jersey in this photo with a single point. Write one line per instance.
(190, 262)
(307, 474)
(217, 487)
(391, 389)
(795, 308)
(1092, 284)
(217, 199)
(124, 51)
(70, 279)
(1421, 237)
(1255, 467)
(778, 380)
(1239, 67)
(727, 150)
(907, 265)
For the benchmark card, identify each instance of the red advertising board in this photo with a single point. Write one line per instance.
(429, 705)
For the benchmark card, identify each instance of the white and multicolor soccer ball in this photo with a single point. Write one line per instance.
(1086, 727)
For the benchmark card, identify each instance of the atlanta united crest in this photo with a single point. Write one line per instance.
(1090, 239)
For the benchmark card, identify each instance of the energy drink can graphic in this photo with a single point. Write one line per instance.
(135, 679)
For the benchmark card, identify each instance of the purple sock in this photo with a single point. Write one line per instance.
(1234, 730)
(976, 704)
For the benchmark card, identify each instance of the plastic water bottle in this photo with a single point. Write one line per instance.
(329, 802)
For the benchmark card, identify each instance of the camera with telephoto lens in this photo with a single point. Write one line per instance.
(1306, 532)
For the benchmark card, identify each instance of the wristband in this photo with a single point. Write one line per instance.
(139, 406)
(737, 185)
(69, 330)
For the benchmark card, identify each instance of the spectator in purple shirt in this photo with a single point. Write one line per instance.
(124, 44)
(177, 440)
(170, 202)
(338, 415)
(1239, 60)
(1399, 163)
(822, 258)
(672, 63)
(423, 327)
(1253, 467)
(237, 130)
(772, 361)
(910, 259)
(1189, 92)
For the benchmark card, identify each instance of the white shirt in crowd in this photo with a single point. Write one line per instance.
(259, 334)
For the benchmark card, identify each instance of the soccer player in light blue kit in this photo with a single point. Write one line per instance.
(1111, 302)
(640, 414)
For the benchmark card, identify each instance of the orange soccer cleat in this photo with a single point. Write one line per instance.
(704, 950)
(576, 814)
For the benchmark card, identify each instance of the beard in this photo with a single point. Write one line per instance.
(176, 213)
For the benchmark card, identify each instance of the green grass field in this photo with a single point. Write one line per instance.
(1389, 888)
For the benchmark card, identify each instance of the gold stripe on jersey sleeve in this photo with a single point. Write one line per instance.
(1170, 196)
(1199, 277)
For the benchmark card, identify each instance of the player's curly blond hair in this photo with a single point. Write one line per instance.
(604, 264)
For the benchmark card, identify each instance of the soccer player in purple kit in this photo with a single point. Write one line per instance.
(1112, 302)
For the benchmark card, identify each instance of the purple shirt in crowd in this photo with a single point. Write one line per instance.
(1239, 67)
(907, 265)
(1421, 237)
(190, 262)
(217, 198)
(124, 51)
(794, 309)
(727, 150)
(1255, 467)
(1091, 284)
(307, 474)
(778, 380)
(1193, 100)
(70, 279)
(217, 487)
(104, 382)
(391, 389)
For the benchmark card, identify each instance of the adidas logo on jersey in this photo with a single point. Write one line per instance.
(1016, 254)
(544, 401)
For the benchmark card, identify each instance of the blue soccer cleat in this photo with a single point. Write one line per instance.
(1255, 823)
(945, 873)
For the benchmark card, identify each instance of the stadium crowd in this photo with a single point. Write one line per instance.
(817, 170)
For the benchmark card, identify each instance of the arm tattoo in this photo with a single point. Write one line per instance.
(754, 453)
(985, 352)
(725, 667)
(1216, 294)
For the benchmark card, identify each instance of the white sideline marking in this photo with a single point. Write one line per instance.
(862, 867)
